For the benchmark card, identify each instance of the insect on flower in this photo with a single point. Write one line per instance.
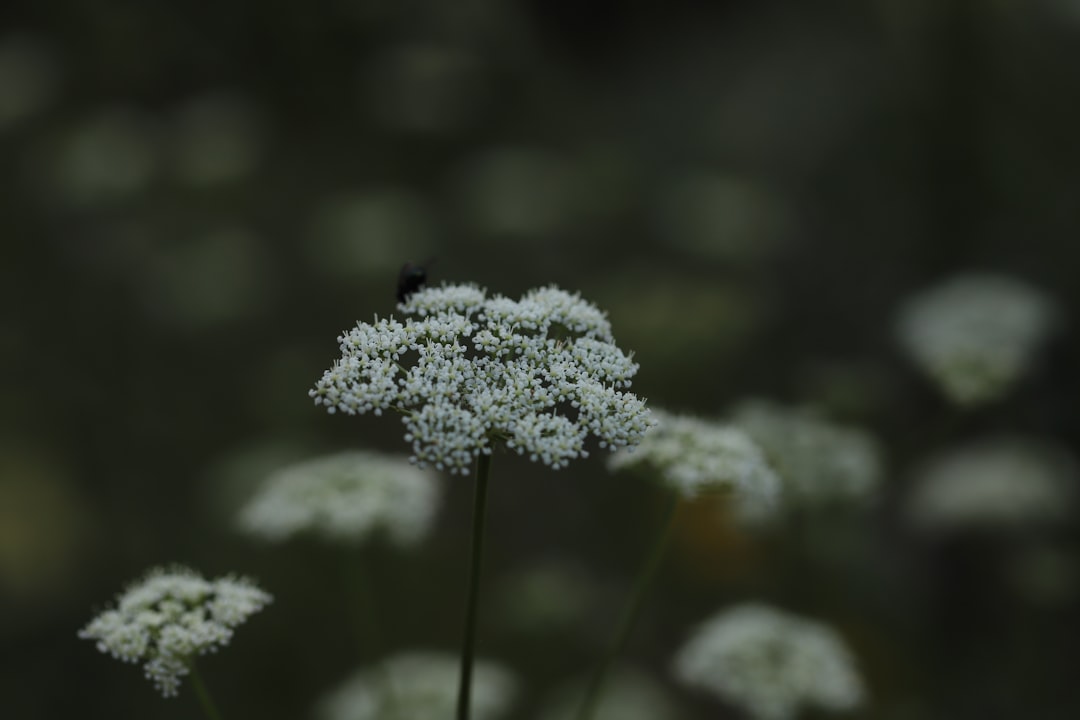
(411, 278)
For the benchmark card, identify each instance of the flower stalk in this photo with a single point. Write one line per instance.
(631, 610)
(483, 467)
(207, 702)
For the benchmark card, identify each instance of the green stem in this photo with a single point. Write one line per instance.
(483, 466)
(366, 620)
(630, 611)
(204, 695)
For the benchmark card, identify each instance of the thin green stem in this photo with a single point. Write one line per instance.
(366, 619)
(630, 611)
(203, 694)
(483, 466)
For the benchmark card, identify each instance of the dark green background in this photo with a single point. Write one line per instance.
(749, 188)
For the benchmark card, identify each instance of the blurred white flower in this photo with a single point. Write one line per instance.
(171, 616)
(109, 157)
(770, 663)
(419, 685)
(722, 217)
(695, 455)
(346, 497)
(975, 335)
(994, 483)
(628, 694)
(818, 462)
(364, 234)
(541, 373)
(212, 279)
(545, 598)
(519, 193)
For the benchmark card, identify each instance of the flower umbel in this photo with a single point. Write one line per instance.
(975, 335)
(418, 685)
(770, 663)
(994, 483)
(345, 497)
(168, 618)
(630, 695)
(466, 370)
(818, 462)
(694, 455)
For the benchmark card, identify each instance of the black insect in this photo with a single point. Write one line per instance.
(411, 278)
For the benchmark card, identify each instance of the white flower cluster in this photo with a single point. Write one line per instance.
(770, 663)
(976, 334)
(694, 455)
(169, 617)
(345, 497)
(994, 483)
(420, 684)
(628, 694)
(818, 462)
(541, 373)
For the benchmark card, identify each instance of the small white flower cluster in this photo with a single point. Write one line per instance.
(345, 497)
(694, 455)
(1005, 482)
(628, 694)
(419, 684)
(817, 461)
(770, 663)
(169, 617)
(976, 334)
(467, 370)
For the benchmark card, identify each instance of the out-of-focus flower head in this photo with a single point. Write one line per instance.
(695, 455)
(420, 684)
(467, 371)
(345, 497)
(1003, 482)
(628, 694)
(169, 617)
(975, 335)
(770, 663)
(818, 462)
(108, 158)
(545, 598)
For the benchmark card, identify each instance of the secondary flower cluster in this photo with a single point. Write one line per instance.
(694, 455)
(466, 370)
(818, 462)
(419, 685)
(770, 663)
(975, 335)
(171, 616)
(345, 497)
(1002, 482)
(629, 694)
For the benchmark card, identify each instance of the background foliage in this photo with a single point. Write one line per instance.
(197, 198)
